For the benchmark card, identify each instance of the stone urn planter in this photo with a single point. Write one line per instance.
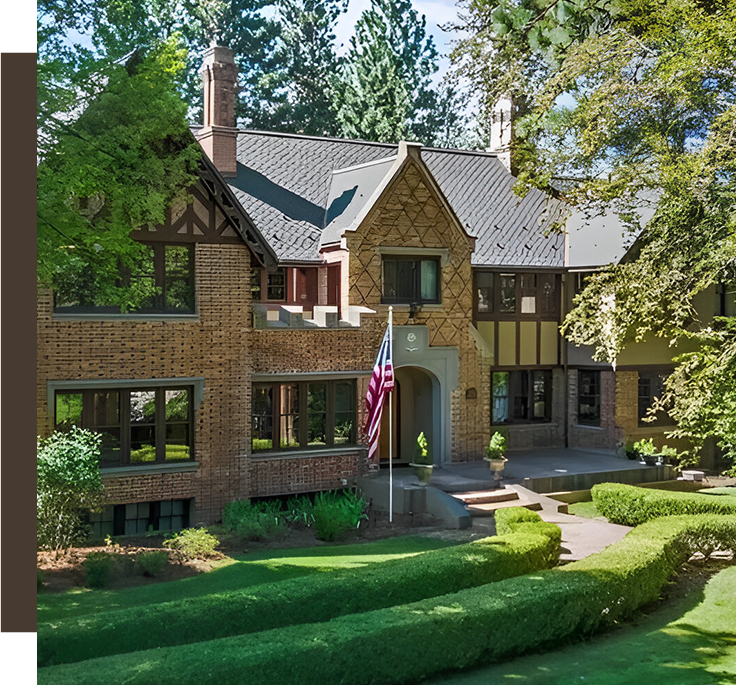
(423, 472)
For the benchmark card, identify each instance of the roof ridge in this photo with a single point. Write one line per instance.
(358, 141)
(278, 134)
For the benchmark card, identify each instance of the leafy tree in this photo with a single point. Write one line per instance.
(386, 76)
(117, 166)
(627, 100)
(68, 485)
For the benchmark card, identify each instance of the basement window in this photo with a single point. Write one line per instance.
(167, 516)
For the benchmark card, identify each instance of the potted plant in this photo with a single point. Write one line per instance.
(646, 451)
(494, 455)
(422, 461)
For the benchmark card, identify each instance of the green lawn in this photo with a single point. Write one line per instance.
(251, 569)
(688, 641)
(587, 510)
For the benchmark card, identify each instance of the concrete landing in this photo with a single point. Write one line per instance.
(555, 470)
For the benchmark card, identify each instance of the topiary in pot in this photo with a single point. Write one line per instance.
(494, 455)
(422, 461)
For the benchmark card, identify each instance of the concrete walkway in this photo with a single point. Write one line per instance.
(581, 537)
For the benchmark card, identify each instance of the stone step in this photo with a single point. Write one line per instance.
(486, 496)
(490, 508)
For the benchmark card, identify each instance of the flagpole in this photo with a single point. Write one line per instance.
(391, 422)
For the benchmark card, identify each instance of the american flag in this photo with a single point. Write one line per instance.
(382, 382)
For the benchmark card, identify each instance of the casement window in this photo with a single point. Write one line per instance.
(273, 284)
(651, 386)
(169, 516)
(408, 279)
(162, 282)
(139, 426)
(521, 396)
(506, 295)
(589, 398)
(304, 414)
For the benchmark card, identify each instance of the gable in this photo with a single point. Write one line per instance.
(410, 217)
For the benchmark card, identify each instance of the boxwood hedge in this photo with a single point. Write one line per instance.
(409, 642)
(631, 506)
(301, 600)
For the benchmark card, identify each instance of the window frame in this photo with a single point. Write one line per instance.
(303, 415)
(161, 283)
(125, 424)
(417, 285)
(511, 396)
(522, 289)
(662, 418)
(595, 421)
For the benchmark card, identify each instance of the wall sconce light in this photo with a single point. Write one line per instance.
(414, 308)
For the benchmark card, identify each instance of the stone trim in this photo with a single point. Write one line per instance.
(442, 252)
(118, 471)
(306, 454)
(172, 318)
(92, 383)
(308, 376)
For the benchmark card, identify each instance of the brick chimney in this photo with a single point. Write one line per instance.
(218, 137)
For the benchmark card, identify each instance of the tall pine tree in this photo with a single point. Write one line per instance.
(386, 77)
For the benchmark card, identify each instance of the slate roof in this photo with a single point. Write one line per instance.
(284, 183)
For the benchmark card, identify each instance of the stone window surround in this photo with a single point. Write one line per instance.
(195, 382)
(302, 453)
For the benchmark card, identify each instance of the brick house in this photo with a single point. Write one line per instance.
(246, 376)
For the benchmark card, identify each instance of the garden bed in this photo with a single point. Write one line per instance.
(63, 572)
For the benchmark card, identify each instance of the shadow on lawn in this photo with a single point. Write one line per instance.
(264, 566)
(668, 644)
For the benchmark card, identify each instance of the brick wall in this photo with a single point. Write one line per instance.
(216, 347)
(281, 476)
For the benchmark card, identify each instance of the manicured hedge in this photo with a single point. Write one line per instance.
(520, 520)
(301, 600)
(631, 506)
(407, 643)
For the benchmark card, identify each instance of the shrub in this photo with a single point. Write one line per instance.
(255, 521)
(496, 447)
(68, 485)
(316, 598)
(152, 564)
(335, 513)
(521, 520)
(630, 506)
(468, 628)
(97, 567)
(300, 511)
(193, 543)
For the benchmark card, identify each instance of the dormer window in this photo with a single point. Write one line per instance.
(409, 279)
